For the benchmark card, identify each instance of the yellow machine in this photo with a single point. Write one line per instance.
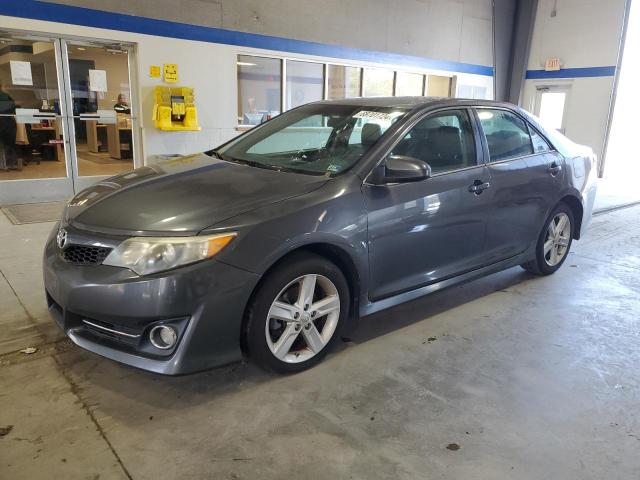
(174, 109)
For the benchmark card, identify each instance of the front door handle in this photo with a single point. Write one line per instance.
(478, 187)
(554, 169)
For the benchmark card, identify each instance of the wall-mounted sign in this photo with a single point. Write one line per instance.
(170, 72)
(21, 73)
(154, 71)
(98, 80)
(552, 64)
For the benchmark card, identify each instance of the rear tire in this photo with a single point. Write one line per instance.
(297, 313)
(554, 242)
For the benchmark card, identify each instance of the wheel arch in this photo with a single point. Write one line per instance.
(331, 252)
(577, 209)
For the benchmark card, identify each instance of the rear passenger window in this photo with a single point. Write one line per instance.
(540, 145)
(444, 140)
(507, 134)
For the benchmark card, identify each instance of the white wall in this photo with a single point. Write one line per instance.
(453, 30)
(621, 156)
(209, 68)
(583, 33)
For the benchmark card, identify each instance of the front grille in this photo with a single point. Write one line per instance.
(83, 255)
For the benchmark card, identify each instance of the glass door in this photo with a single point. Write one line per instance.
(100, 119)
(65, 116)
(34, 153)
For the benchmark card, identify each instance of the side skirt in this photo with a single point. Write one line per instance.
(373, 307)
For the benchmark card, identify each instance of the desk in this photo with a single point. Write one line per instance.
(54, 128)
(115, 139)
(93, 135)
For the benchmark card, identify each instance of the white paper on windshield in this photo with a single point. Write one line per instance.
(374, 115)
(98, 80)
(21, 73)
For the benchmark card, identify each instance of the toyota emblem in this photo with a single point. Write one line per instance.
(61, 238)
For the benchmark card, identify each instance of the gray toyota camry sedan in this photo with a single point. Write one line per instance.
(271, 244)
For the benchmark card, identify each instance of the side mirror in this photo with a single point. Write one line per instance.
(400, 168)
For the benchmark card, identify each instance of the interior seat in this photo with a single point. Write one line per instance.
(370, 134)
(446, 145)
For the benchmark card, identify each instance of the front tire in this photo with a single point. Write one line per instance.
(554, 242)
(297, 314)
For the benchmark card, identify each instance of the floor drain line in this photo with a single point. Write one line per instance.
(615, 208)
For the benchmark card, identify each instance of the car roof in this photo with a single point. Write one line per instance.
(415, 102)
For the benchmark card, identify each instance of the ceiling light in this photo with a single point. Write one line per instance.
(247, 64)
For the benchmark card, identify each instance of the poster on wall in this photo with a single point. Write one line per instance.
(98, 80)
(170, 72)
(21, 73)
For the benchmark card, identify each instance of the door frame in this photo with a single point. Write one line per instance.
(30, 190)
(80, 182)
(35, 190)
(553, 87)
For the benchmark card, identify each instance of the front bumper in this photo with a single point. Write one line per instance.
(110, 310)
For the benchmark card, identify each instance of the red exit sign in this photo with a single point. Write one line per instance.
(552, 64)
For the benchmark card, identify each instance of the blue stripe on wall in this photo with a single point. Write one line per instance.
(572, 73)
(38, 10)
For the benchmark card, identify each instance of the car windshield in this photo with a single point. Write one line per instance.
(317, 139)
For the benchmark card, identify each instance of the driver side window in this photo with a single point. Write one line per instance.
(444, 140)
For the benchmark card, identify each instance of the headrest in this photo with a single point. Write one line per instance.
(370, 134)
(449, 131)
(334, 122)
(504, 142)
(446, 142)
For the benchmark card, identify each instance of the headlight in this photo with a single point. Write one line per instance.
(147, 255)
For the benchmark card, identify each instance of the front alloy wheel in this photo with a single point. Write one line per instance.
(296, 313)
(303, 318)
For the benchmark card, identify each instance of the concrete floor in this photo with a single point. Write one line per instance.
(510, 376)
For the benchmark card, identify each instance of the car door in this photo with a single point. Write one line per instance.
(524, 180)
(546, 176)
(425, 231)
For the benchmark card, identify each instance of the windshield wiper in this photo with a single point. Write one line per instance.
(266, 166)
(214, 153)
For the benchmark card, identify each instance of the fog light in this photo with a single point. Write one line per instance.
(163, 337)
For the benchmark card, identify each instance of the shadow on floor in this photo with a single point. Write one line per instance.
(173, 393)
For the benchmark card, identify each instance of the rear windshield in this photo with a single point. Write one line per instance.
(317, 139)
(561, 143)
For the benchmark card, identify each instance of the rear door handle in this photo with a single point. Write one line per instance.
(554, 169)
(478, 187)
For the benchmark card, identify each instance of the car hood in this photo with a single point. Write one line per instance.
(182, 195)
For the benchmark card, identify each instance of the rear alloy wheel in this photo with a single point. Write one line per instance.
(296, 314)
(554, 242)
(557, 239)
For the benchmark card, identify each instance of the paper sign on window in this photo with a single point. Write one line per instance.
(21, 73)
(374, 115)
(98, 80)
